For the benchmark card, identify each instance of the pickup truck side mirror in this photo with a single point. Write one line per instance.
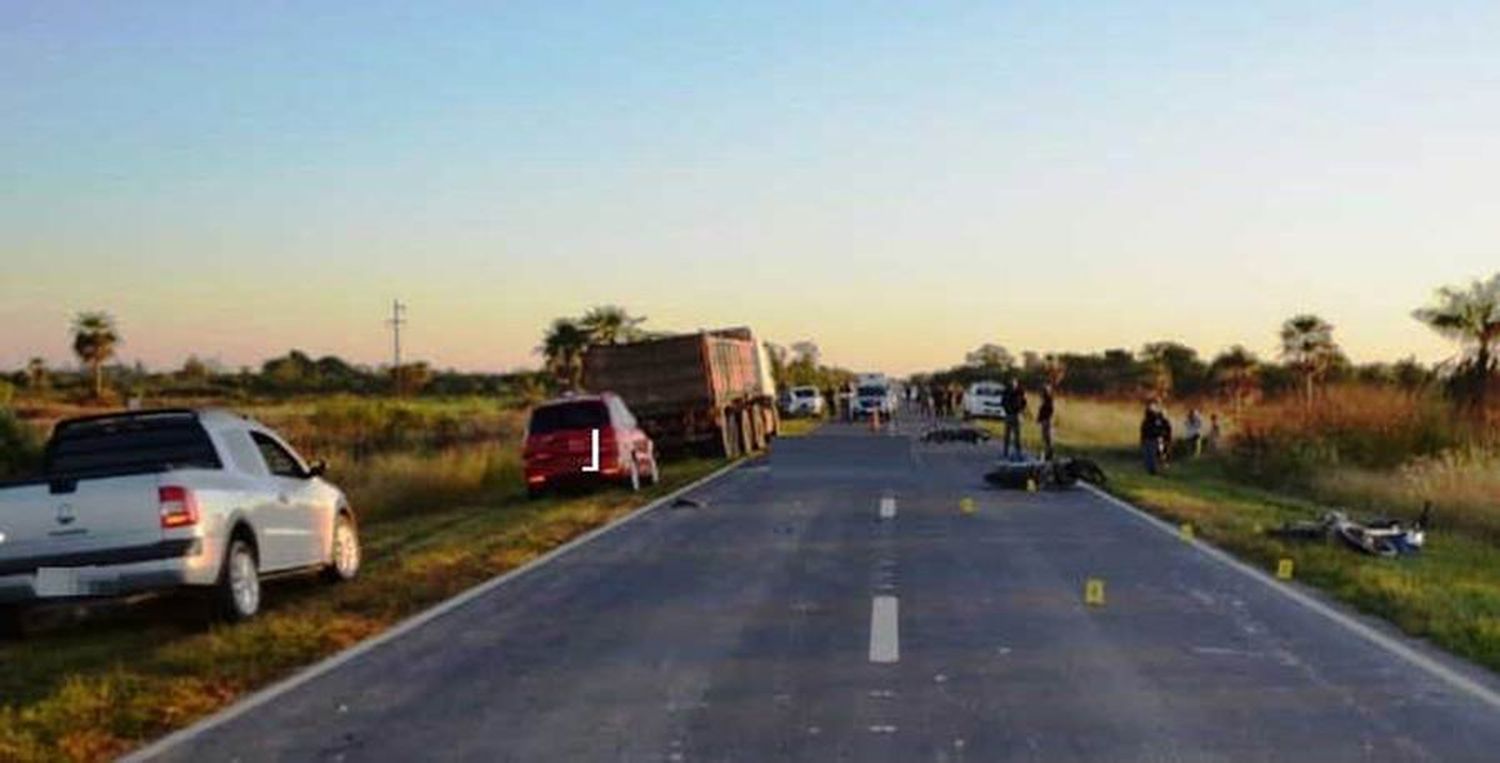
(317, 468)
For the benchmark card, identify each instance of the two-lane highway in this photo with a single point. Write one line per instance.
(833, 602)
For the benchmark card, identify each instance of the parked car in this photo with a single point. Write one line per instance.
(804, 401)
(560, 444)
(162, 499)
(984, 400)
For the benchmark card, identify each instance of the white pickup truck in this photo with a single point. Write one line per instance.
(153, 500)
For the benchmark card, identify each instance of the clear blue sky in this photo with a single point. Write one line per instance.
(900, 182)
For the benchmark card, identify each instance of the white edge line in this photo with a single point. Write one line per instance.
(1438, 670)
(885, 634)
(330, 663)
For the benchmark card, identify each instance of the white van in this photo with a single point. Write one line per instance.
(984, 400)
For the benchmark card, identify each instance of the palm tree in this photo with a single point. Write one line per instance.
(1235, 372)
(1470, 316)
(1307, 346)
(611, 324)
(563, 346)
(94, 339)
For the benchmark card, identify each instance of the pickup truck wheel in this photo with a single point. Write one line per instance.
(12, 621)
(238, 592)
(344, 558)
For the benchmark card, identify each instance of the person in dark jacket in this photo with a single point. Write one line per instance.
(1014, 404)
(1044, 414)
(1156, 437)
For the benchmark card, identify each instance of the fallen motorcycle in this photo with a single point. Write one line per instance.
(1058, 473)
(971, 435)
(1378, 537)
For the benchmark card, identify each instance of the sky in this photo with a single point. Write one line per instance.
(899, 182)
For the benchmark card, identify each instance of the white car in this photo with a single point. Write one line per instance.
(984, 400)
(804, 401)
(154, 500)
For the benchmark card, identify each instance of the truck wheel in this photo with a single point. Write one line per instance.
(12, 621)
(344, 557)
(238, 590)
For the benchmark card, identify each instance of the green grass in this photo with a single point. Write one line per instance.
(94, 689)
(1449, 594)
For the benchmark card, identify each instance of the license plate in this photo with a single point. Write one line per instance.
(56, 581)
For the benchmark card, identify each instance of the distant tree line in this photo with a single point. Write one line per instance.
(1309, 359)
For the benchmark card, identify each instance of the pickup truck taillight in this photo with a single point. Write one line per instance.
(179, 507)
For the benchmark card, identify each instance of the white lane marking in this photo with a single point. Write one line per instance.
(885, 638)
(405, 626)
(888, 508)
(1453, 678)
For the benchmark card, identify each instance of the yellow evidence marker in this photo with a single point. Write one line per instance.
(1186, 531)
(1284, 569)
(966, 505)
(1093, 592)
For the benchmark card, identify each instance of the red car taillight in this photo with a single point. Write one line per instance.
(179, 507)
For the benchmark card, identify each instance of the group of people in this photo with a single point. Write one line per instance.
(1156, 436)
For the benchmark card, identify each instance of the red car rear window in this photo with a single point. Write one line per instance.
(558, 417)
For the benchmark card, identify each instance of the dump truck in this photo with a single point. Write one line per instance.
(709, 392)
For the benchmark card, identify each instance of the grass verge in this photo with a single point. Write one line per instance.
(1449, 594)
(127, 674)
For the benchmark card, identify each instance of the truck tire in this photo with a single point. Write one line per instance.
(345, 555)
(237, 593)
(12, 621)
(730, 436)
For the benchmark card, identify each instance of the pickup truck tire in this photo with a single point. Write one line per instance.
(12, 621)
(238, 591)
(344, 557)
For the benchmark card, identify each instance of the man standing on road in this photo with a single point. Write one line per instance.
(1044, 415)
(1014, 404)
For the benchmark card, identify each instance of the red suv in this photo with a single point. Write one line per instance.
(559, 443)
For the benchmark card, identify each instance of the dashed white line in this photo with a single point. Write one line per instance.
(887, 508)
(885, 637)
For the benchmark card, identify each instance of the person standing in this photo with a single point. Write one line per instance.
(1044, 413)
(1156, 435)
(1014, 404)
(1193, 429)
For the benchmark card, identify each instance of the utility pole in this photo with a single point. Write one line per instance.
(398, 319)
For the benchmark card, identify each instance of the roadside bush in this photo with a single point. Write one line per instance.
(1367, 427)
(20, 446)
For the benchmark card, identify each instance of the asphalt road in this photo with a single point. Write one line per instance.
(832, 602)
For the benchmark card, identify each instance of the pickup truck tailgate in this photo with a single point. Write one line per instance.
(109, 520)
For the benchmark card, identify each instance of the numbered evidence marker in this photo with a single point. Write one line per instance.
(1186, 531)
(1093, 592)
(966, 505)
(1284, 569)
